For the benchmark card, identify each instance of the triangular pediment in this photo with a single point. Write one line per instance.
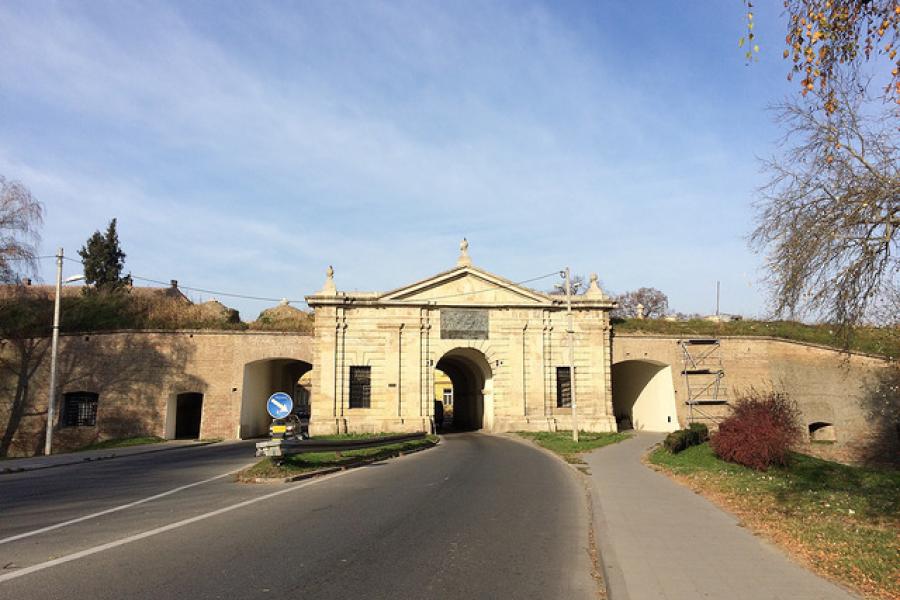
(466, 286)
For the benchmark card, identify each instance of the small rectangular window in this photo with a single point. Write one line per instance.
(80, 409)
(360, 387)
(448, 396)
(563, 387)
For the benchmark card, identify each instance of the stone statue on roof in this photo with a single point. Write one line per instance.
(464, 260)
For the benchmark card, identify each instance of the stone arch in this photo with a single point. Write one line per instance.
(261, 379)
(820, 431)
(644, 396)
(472, 378)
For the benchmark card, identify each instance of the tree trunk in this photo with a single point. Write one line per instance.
(30, 356)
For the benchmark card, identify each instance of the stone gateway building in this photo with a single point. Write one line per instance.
(504, 347)
(372, 361)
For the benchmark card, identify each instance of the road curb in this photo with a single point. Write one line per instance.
(89, 459)
(527, 442)
(605, 550)
(612, 573)
(329, 470)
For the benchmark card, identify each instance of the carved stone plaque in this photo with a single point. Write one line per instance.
(464, 324)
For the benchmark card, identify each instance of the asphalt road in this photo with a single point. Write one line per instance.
(479, 516)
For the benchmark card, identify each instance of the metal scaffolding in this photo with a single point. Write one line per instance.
(703, 373)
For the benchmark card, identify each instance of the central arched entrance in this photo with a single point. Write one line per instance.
(470, 373)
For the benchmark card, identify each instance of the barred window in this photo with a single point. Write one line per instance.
(563, 387)
(360, 387)
(80, 409)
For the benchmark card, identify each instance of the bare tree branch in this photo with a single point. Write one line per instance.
(828, 217)
(655, 303)
(21, 216)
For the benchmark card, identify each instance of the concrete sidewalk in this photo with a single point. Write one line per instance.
(17, 465)
(660, 540)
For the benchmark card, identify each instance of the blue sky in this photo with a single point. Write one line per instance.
(245, 146)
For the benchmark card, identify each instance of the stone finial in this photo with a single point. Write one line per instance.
(464, 260)
(594, 290)
(639, 311)
(328, 289)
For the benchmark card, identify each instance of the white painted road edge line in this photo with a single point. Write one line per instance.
(164, 528)
(116, 508)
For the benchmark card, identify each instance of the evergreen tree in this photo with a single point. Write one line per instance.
(104, 260)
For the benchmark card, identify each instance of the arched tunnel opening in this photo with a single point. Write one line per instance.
(262, 378)
(821, 431)
(470, 374)
(643, 396)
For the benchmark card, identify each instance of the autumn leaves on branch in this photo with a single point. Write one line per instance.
(825, 37)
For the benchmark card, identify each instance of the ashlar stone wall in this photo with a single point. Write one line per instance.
(516, 340)
(137, 376)
(829, 386)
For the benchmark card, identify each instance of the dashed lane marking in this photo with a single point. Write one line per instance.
(165, 528)
(116, 508)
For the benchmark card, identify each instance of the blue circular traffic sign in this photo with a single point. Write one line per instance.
(279, 405)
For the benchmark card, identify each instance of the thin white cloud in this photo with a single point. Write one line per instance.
(378, 131)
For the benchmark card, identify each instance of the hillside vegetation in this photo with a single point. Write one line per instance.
(283, 318)
(32, 316)
(884, 341)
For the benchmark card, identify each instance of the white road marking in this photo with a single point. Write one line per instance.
(116, 508)
(164, 528)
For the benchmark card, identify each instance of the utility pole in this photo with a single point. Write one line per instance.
(54, 344)
(718, 288)
(570, 330)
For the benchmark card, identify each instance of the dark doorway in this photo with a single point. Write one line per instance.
(188, 410)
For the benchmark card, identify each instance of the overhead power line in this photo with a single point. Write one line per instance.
(202, 290)
(214, 292)
(26, 257)
(303, 301)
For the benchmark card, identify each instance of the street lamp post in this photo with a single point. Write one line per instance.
(570, 330)
(54, 348)
(54, 344)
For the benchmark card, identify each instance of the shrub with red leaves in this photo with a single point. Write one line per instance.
(760, 431)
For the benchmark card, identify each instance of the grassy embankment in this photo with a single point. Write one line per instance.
(561, 442)
(884, 341)
(842, 521)
(312, 461)
(30, 314)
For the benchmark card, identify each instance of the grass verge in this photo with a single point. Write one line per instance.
(561, 442)
(842, 521)
(122, 443)
(354, 436)
(312, 461)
